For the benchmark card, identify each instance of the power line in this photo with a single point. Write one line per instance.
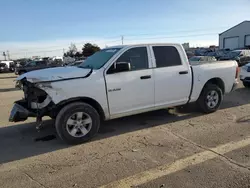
(122, 39)
(180, 36)
(177, 31)
(57, 46)
(113, 41)
(39, 51)
(63, 49)
(131, 35)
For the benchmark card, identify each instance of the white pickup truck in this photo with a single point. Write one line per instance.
(121, 81)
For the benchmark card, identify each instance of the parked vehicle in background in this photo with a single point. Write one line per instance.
(121, 81)
(20, 64)
(35, 65)
(201, 51)
(245, 75)
(202, 59)
(241, 56)
(217, 54)
(3, 67)
(67, 60)
(12, 66)
(57, 58)
(190, 54)
(9, 64)
(76, 63)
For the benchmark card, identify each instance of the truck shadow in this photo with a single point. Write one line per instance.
(242, 95)
(23, 140)
(8, 89)
(8, 77)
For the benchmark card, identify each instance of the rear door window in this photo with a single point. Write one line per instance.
(166, 56)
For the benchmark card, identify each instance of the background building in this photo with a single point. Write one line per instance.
(236, 37)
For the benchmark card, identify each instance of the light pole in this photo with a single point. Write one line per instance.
(4, 54)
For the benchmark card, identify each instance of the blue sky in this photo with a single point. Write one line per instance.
(33, 25)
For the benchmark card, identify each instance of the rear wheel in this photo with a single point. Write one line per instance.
(210, 98)
(246, 84)
(77, 123)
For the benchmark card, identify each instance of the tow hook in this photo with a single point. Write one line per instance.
(39, 122)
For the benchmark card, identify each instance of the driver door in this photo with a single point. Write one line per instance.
(132, 90)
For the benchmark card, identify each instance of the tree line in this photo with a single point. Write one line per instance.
(88, 49)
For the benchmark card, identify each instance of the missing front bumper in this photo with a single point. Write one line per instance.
(20, 113)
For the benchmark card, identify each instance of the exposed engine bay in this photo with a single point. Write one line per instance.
(36, 102)
(36, 98)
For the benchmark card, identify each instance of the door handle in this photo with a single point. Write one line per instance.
(183, 72)
(145, 77)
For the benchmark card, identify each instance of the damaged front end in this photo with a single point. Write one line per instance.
(36, 102)
(41, 96)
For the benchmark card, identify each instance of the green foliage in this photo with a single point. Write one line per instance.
(89, 49)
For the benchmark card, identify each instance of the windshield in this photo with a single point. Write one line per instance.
(97, 60)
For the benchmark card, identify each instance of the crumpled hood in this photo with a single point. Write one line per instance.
(54, 74)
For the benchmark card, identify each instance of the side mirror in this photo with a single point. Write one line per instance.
(122, 66)
(241, 55)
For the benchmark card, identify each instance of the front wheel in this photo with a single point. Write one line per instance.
(246, 84)
(77, 123)
(210, 98)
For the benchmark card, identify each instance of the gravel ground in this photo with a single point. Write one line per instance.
(167, 148)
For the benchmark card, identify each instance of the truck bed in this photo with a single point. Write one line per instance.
(222, 70)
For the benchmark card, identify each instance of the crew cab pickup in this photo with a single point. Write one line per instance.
(121, 81)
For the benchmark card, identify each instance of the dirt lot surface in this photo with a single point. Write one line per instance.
(162, 149)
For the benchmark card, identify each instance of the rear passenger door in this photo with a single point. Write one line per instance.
(172, 75)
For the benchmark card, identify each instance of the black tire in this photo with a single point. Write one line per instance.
(246, 84)
(67, 112)
(203, 101)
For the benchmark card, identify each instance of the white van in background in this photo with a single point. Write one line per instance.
(9, 64)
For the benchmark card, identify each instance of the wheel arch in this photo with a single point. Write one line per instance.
(216, 81)
(87, 100)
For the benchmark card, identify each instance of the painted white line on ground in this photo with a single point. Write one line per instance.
(179, 165)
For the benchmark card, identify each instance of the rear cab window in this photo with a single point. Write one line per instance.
(166, 56)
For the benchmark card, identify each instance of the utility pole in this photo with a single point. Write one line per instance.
(63, 52)
(122, 39)
(8, 54)
(4, 54)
